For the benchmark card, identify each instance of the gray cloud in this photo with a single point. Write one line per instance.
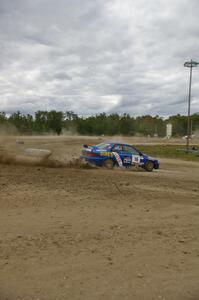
(93, 56)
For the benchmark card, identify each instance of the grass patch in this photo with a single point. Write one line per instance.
(168, 151)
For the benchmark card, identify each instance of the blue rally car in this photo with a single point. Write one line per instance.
(109, 154)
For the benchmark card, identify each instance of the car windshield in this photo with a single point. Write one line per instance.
(103, 146)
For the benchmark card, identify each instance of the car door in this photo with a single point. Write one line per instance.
(122, 155)
(127, 155)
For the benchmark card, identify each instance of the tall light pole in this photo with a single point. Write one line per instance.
(189, 64)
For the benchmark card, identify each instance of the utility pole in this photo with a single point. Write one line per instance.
(189, 64)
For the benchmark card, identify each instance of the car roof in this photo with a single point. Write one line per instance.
(119, 143)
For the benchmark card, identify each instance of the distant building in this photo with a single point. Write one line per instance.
(169, 131)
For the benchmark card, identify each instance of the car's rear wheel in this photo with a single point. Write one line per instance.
(149, 166)
(108, 163)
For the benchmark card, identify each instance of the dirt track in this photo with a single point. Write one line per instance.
(97, 234)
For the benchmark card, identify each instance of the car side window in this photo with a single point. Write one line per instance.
(117, 148)
(130, 150)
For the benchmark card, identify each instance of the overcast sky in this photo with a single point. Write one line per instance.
(93, 56)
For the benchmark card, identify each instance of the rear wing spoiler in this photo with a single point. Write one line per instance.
(87, 146)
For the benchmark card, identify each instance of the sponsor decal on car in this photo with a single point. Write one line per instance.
(118, 158)
(109, 154)
(127, 160)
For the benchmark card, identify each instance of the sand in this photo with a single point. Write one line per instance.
(72, 233)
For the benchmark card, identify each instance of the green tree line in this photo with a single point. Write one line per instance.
(101, 124)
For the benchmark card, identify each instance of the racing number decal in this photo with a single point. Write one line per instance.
(135, 159)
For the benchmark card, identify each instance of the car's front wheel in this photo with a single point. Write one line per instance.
(108, 163)
(149, 166)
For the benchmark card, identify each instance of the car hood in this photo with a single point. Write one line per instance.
(149, 157)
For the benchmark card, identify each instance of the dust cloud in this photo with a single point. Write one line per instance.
(11, 159)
